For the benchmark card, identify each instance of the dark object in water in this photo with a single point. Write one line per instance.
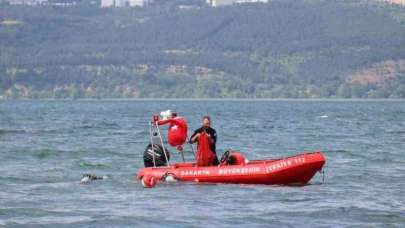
(90, 177)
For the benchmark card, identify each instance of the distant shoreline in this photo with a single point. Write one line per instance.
(219, 99)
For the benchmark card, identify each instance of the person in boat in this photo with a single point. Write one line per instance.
(211, 133)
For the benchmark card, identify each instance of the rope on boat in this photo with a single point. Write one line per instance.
(323, 175)
(169, 177)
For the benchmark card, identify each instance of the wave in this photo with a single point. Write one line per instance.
(12, 131)
(399, 132)
(55, 153)
(93, 165)
(15, 179)
(32, 180)
(336, 151)
(99, 125)
(42, 154)
(38, 216)
(350, 153)
(23, 153)
(385, 160)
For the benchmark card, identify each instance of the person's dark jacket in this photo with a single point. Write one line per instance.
(211, 132)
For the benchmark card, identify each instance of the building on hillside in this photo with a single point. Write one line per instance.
(393, 2)
(27, 2)
(398, 2)
(107, 3)
(140, 3)
(215, 3)
(124, 3)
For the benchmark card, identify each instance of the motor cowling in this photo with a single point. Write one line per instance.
(157, 152)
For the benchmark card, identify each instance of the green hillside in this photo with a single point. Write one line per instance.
(289, 49)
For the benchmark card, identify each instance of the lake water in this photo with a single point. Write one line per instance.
(45, 147)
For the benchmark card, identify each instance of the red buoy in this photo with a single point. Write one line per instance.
(177, 132)
(148, 181)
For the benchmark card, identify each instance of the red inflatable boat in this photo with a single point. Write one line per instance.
(234, 167)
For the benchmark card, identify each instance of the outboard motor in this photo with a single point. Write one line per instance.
(157, 151)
